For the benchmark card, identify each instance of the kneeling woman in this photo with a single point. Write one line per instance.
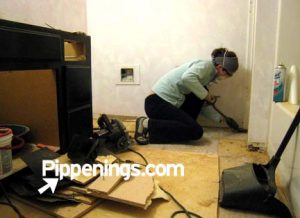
(178, 98)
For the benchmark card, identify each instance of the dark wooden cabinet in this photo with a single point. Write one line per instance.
(41, 51)
(29, 45)
(78, 86)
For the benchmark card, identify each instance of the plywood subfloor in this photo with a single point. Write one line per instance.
(232, 151)
(197, 190)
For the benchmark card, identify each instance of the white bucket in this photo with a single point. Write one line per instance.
(5, 152)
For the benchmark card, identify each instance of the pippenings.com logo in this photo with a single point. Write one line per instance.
(126, 170)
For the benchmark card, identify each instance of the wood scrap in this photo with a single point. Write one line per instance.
(81, 179)
(50, 147)
(79, 197)
(158, 192)
(78, 189)
(17, 165)
(105, 184)
(61, 211)
(136, 191)
(108, 159)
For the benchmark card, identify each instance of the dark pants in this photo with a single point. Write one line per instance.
(168, 123)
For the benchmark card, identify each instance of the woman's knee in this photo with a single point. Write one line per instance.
(196, 132)
(151, 103)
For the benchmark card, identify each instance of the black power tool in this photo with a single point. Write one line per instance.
(117, 138)
(110, 137)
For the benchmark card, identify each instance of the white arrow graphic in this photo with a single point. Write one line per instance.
(51, 183)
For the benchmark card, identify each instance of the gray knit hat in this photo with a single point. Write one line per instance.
(231, 64)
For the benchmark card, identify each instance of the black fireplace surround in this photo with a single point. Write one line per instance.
(29, 47)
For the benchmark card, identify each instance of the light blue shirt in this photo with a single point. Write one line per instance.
(187, 78)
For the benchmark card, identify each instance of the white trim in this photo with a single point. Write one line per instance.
(251, 31)
(250, 51)
(275, 61)
(277, 33)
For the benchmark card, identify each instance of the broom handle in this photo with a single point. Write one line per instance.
(215, 107)
(276, 158)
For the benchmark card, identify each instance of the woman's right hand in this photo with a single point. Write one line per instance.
(210, 99)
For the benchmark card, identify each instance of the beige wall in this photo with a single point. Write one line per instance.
(289, 32)
(61, 14)
(159, 35)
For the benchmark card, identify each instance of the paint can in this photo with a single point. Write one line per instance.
(5, 152)
(279, 83)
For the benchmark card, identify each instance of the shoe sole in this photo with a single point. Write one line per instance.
(136, 134)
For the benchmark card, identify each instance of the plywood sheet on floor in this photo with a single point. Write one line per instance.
(197, 190)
